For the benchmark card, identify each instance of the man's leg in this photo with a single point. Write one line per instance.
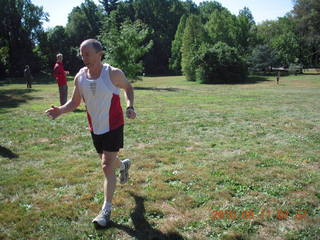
(63, 91)
(61, 95)
(109, 163)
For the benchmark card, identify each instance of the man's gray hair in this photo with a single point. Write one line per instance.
(95, 44)
(59, 55)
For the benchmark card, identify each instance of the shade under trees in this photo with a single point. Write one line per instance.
(293, 38)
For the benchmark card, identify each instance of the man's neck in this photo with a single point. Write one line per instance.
(94, 71)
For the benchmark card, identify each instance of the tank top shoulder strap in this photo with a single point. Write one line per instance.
(105, 71)
(81, 78)
(107, 79)
(82, 72)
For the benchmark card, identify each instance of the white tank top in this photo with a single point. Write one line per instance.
(102, 101)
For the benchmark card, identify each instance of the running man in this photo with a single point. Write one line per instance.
(99, 86)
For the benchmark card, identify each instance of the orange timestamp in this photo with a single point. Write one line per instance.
(263, 214)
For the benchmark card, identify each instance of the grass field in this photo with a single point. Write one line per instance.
(209, 162)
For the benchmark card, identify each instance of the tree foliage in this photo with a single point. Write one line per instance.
(84, 22)
(293, 38)
(175, 60)
(126, 46)
(109, 5)
(221, 27)
(280, 36)
(220, 64)
(306, 14)
(192, 37)
(245, 32)
(20, 27)
(263, 58)
(162, 17)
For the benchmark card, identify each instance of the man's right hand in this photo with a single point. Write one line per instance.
(53, 112)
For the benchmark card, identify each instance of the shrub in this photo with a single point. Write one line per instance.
(219, 64)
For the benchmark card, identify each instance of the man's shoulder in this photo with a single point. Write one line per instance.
(80, 72)
(115, 73)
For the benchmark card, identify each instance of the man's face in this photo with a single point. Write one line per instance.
(60, 58)
(89, 55)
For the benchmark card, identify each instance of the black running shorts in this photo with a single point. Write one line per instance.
(110, 142)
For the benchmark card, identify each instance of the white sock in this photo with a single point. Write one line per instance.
(122, 166)
(107, 206)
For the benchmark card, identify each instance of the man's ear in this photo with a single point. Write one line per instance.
(102, 53)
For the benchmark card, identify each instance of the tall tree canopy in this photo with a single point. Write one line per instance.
(162, 17)
(20, 26)
(175, 60)
(126, 46)
(84, 22)
(307, 17)
(293, 38)
(193, 36)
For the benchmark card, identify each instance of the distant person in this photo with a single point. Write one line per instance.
(60, 75)
(278, 77)
(99, 86)
(27, 76)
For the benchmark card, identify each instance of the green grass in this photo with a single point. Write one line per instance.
(195, 149)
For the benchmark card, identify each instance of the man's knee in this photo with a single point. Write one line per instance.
(107, 164)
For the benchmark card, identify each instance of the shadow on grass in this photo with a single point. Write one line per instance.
(7, 153)
(157, 89)
(41, 78)
(252, 80)
(12, 98)
(317, 73)
(143, 230)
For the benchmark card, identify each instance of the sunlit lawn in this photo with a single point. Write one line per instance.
(209, 162)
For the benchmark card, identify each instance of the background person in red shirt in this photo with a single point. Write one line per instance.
(60, 75)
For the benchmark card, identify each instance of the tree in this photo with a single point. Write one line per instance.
(245, 32)
(221, 27)
(163, 20)
(4, 57)
(281, 36)
(126, 47)
(20, 27)
(307, 16)
(286, 48)
(175, 60)
(58, 42)
(262, 58)
(161, 16)
(219, 64)
(109, 5)
(207, 7)
(193, 35)
(84, 22)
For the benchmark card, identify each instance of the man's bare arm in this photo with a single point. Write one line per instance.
(69, 106)
(119, 80)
